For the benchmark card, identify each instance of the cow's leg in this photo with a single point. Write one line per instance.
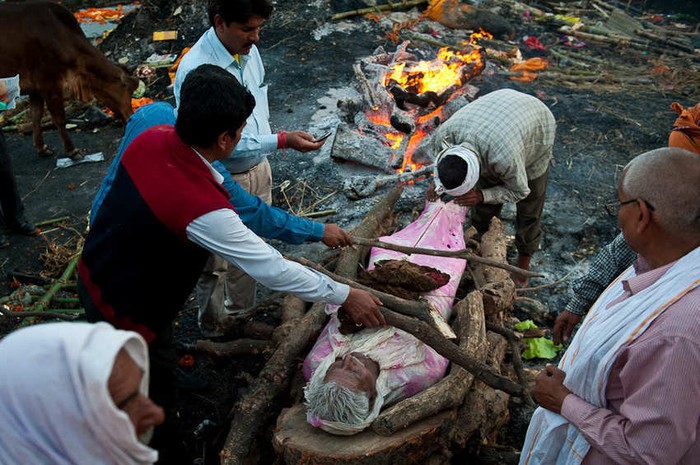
(54, 102)
(36, 105)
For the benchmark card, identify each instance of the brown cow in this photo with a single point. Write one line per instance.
(43, 42)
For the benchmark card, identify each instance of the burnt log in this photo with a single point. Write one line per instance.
(351, 145)
(457, 15)
(233, 348)
(485, 409)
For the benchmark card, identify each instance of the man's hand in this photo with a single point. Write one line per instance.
(430, 193)
(549, 388)
(303, 141)
(471, 199)
(363, 308)
(334, 236)
(564, 326)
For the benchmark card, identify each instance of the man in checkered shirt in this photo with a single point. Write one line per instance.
(511, 136)
(610, 262)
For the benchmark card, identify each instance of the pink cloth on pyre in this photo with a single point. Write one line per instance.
(408, 366)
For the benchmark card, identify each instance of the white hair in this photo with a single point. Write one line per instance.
(331, 402)
(669, 180)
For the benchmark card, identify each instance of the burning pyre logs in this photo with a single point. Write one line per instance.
(402, 100)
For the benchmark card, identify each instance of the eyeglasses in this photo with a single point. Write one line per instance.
(613, 207)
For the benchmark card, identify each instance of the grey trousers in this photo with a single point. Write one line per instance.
(223, 290)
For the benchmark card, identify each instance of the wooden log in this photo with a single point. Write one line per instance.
(494, 247)
(367, 89)
(250, 413)
(447, 349)
(293, 309)
(484, 408)
(298, 443)
(464, 253)
(484, 411)
(499, 290)
(450, 391)
(378, 8)
(233, 348)
(415, 308)
(258, 330)
(357, 187)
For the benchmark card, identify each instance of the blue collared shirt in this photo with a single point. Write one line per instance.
(257, 140)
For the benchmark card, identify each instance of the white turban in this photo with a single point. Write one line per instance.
(55, 406)
(471, 177)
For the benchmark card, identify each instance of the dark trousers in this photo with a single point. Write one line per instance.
(161, 353)
(11, 208)
(528, 229)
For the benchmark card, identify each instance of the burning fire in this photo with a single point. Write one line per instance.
(451, 69)
(437, 75)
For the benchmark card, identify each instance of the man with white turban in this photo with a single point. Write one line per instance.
(75, 394)
(504, 139)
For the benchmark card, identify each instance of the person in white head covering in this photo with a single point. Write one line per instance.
(75, 394)
(505, 140)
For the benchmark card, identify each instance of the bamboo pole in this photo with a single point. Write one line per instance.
(42, 303)
(378, 8)
(464, 253)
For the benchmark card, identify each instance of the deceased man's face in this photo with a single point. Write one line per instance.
(355, 371)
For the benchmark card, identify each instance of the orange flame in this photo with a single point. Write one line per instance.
(437, 75)
(451, 68)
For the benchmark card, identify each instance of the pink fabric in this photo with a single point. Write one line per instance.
(439, 227)
(653, 392)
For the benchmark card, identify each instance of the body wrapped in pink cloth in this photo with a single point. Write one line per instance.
(403, 365)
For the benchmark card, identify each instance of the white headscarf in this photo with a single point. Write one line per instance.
(470, 178)
(55, 406)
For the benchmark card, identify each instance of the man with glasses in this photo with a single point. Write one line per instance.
(226, 294)
(615, 257)
(625, 392)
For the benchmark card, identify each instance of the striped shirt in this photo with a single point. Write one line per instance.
(513, 135)
(653, 391)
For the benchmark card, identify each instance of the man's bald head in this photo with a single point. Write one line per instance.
(668, 179)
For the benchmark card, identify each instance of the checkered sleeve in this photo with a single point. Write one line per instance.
(610, 262)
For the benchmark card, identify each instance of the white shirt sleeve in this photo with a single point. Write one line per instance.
(223, 233)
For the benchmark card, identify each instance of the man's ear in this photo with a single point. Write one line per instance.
(219, 21)
(222, 141)
(645, 218)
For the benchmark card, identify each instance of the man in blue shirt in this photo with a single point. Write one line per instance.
(264, 220)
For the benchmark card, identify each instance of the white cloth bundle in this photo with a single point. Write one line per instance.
(56, 407)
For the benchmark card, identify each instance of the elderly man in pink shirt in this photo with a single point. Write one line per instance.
(627, 391)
